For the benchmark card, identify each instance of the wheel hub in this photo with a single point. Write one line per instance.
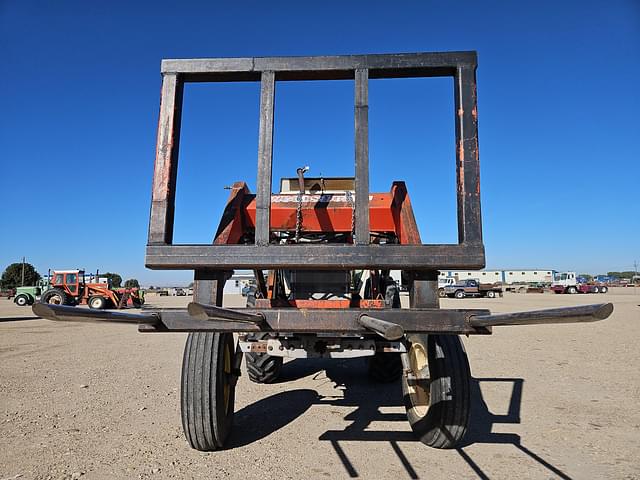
(419, 391)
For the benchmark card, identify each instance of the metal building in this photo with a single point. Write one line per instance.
(505, 276)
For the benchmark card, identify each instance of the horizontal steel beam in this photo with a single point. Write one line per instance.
(320, 67)
(401, 257)
(292, 320)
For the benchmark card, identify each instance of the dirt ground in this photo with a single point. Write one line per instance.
(102, 401)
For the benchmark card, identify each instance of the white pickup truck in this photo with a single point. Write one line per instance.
(442, 283)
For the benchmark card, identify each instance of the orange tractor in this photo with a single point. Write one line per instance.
(68, 287)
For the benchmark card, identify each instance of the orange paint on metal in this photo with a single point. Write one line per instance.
(231, 228)
(320, 304)
(405, 222)
(320, 215)
(461, 166)
(371, 303)
(388, 213)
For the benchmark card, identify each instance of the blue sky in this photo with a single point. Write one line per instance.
(558, 120)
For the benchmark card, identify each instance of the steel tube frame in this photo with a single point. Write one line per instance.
(461, 66)
(348, 321)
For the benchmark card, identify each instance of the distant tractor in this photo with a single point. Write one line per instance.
(68, 287)
(27, 295)
(569, 282)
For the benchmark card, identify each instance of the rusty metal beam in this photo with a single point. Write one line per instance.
(166, 165)
(332, 256)
(295, 320)
(426, 64)
(423, 289)
(469, 253)
(209, 286)
(467, 160)
(362, 156)
(265, 154)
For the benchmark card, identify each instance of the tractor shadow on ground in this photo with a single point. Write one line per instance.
(354, 389)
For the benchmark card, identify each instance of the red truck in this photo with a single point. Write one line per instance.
(569, 282)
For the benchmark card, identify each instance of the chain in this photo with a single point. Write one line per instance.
(298, 217)
(353, 214)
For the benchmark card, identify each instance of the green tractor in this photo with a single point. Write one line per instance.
(28, 295)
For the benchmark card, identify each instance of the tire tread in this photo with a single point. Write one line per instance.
(205, 426)
(445, 424)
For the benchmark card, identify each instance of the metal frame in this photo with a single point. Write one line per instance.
(468, 253)
(340, 321)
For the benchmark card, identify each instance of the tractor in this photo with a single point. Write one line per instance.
(328, 246)
(27, 295)
(68, 287)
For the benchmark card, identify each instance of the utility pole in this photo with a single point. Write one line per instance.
(22, 282)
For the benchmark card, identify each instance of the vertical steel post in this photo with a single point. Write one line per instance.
(208, 286)
(265, 154)
(423, 289)
(467, 163)
(163, 197)
(362, 155)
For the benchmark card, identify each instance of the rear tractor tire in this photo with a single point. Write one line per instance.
(208, 389)
(437, 395)
(97, 302)
(604, 289)
(459, 294)
(572, 290)
(262, 367)
(54, 296)
(385, 367)
(491, 294)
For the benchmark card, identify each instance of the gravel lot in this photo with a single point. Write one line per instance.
(102, 401)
